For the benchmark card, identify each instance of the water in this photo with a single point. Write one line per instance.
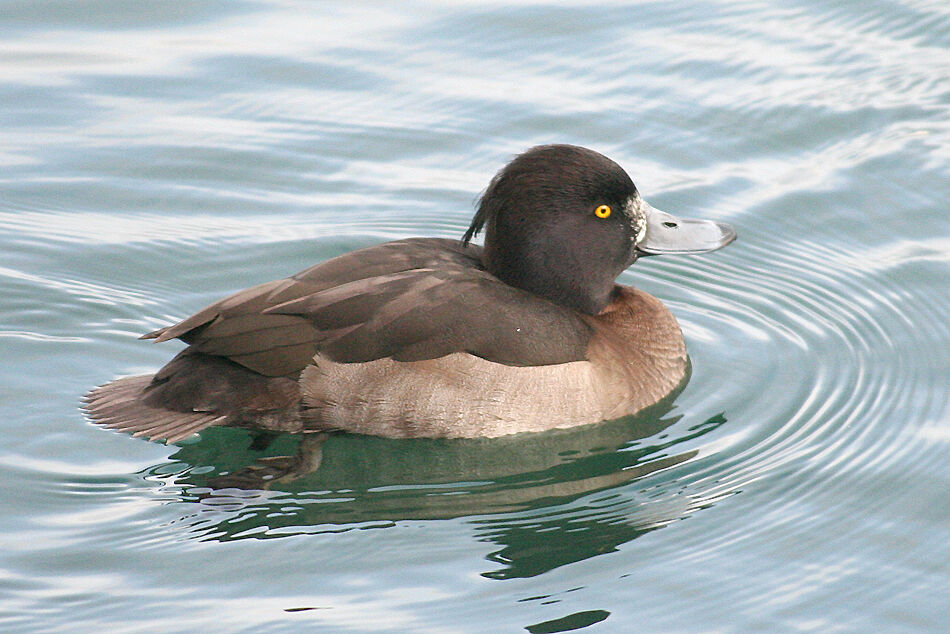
(158, 156)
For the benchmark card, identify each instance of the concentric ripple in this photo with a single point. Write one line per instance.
(828, 338)
(804, 359)
(846, 383)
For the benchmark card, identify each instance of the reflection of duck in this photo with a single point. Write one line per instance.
(360, 462)
(433, 337)
(546, 499)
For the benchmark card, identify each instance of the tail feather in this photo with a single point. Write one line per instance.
(118, 405)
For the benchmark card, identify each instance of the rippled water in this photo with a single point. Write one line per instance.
(155, 157)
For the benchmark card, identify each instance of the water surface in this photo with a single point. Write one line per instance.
(155, 157)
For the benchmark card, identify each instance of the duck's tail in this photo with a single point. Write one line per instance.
(120, 405)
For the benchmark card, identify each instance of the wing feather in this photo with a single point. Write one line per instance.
(410, 300)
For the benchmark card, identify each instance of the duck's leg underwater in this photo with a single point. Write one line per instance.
(272, 469)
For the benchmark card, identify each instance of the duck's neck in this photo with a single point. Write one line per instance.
(556, 277)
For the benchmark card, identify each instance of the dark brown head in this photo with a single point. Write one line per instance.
(563, 222)
(558, 224)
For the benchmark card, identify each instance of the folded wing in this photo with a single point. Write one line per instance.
(410, 300)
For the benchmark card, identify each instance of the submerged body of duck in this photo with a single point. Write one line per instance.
(437, 337)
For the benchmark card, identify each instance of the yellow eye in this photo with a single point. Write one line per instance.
(603, 211)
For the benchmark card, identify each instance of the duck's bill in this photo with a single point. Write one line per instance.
(668, 235)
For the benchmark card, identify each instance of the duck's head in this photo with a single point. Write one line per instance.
(563, 222)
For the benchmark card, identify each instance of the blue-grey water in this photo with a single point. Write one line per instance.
(156, 156)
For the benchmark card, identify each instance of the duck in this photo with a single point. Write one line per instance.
(437, 337)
